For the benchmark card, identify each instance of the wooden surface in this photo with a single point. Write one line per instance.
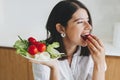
(113, 68)
(15, 67)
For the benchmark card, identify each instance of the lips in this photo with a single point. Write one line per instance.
(85, 36)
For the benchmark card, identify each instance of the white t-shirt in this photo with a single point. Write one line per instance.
(81, 69)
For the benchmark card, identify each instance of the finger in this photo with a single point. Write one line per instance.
(93, 49)
(37, 62)
(94, 42)
(91, 52)
(32, 61)
(98, 40)
(91, 46)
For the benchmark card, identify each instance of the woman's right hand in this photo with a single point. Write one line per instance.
(97, 50)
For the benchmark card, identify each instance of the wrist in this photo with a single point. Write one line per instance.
(100, 67)
(54, 73)
(54, 66)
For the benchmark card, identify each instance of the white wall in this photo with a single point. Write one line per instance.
(1, 12)
(25, 18)
(28, 18)
(105, 14)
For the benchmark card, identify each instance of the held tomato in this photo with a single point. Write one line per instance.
(85, 37)
(32, 49)
(31, 40)
(41, 47)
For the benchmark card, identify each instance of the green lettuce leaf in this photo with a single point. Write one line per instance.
(21, 47)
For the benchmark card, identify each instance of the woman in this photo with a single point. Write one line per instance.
(68, 22)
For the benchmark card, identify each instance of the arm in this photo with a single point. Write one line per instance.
(98, 54)
(54, 73)
(98, 72)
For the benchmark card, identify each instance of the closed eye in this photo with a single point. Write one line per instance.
(79, 22)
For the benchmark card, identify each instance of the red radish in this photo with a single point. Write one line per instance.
(32, 49)
(41, 47)
(31, 40)
(35, 46)
(37, 43)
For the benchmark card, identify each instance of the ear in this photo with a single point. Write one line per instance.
(60, 28)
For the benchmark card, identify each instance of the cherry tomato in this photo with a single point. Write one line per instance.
(32, 49)
(41, 47)
(37, 43)
(31, 40)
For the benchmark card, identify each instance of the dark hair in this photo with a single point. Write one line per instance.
(62, 13)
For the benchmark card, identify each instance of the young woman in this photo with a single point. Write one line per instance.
(68, 22)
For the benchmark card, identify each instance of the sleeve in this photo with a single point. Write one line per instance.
(40, 72)
(89, 76)
(90, 71)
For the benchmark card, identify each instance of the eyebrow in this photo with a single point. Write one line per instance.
(79, 19)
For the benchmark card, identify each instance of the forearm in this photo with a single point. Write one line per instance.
(54, 74)
(99, 72)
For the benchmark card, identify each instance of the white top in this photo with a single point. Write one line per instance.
(81, 69)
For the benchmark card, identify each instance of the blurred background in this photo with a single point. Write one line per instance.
(28, 18)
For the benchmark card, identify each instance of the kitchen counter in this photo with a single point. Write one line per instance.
(111, 50)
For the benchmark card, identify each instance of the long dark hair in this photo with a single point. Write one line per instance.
(62, 13)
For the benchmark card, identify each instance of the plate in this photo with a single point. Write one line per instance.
(39, 57)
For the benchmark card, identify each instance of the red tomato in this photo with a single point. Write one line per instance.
(32, 49)
(37, 43)
(41, 47)
(31, 40)
(85, 37)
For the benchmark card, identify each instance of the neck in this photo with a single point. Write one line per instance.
(70, 48)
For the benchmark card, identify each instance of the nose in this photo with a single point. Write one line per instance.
(87, 26)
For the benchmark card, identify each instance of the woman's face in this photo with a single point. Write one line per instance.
(78, 25)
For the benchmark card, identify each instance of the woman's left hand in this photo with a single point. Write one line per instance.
(97, 49)
(51, 63)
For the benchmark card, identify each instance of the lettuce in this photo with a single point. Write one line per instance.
(53, 52)
(21, 47)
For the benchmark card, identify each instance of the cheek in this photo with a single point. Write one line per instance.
(77, 31)
(74, 34)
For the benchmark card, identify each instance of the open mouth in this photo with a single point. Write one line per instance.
(85, 36)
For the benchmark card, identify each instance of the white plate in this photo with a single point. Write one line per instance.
(38, 60)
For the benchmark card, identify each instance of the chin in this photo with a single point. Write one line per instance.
(84, 44)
